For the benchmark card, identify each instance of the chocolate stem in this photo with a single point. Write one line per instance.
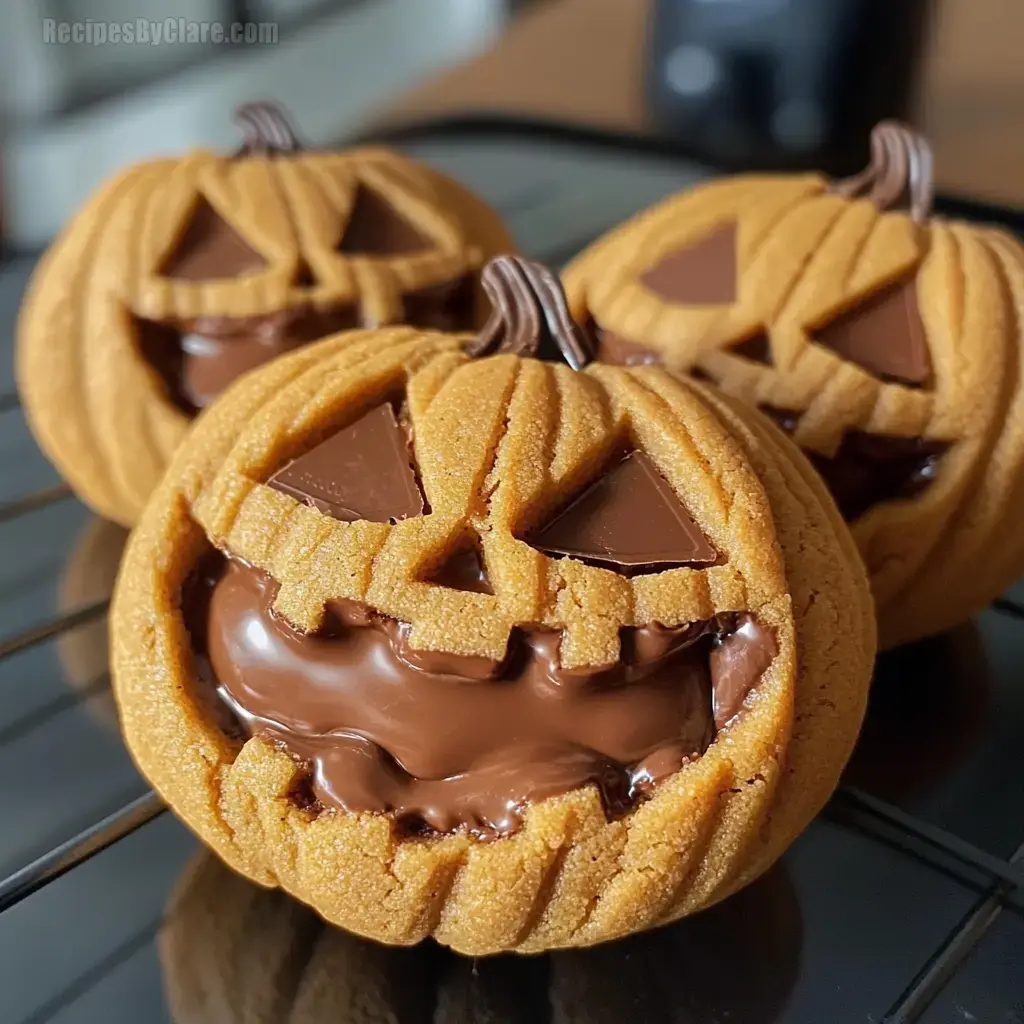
(529, 309)
(900, 171)
(266, 128)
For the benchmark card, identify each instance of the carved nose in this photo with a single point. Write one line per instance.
(304, 276)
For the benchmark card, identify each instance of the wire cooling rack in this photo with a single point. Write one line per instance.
(964, 829)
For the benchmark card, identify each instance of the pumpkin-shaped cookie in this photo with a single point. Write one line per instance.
(181, 274)
(487, 648)
(887, 341)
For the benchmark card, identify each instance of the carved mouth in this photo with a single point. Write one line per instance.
(446, 742)
(197, 359)
(869, 469)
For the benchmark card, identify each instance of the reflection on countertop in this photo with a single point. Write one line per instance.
(233, 952)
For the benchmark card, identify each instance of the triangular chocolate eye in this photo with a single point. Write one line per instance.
(363, 471)
(702, 274)
(463, 571)
(757, 349)
(377, 229)
(630, 521)
(211, 249)
(884, 335)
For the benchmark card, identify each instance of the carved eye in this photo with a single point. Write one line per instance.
(884, 335)
(210, 249)
(705, 273)
(701, 274)
(375, 228)
(362, 472)
(629, 520)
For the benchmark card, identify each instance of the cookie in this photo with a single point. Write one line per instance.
(182, 273)
(885, 340)
(446, 640)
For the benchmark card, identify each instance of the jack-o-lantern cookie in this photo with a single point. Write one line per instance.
(889, 343)
(487, 648)
(181, 274)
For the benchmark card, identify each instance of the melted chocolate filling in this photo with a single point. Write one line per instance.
(868, 469)
(197, 359)
(865, 471)
(445, 742)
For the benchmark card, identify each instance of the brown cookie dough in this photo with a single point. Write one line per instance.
(181, 274)
(704, 674)
(886, 341)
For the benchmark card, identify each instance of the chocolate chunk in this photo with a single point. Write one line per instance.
(702, 274)
(884, 335)
(757, 349)
(446, 741)
(448, 307)
(375, 228)
(868, 469)
(736, 663)
(361, 472)
(463, 570)
(630, 521)
(211, 249)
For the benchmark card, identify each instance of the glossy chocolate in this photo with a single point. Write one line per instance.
(363, 471)
(629, 520)
(868, 469)
(448, 742)
(702, 274)
(197, 359)
(884, 335)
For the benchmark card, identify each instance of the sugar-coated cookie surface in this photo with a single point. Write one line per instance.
(505, 449)
(885, 340)
(181, 274)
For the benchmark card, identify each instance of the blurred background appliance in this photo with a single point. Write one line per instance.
(780, 83)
